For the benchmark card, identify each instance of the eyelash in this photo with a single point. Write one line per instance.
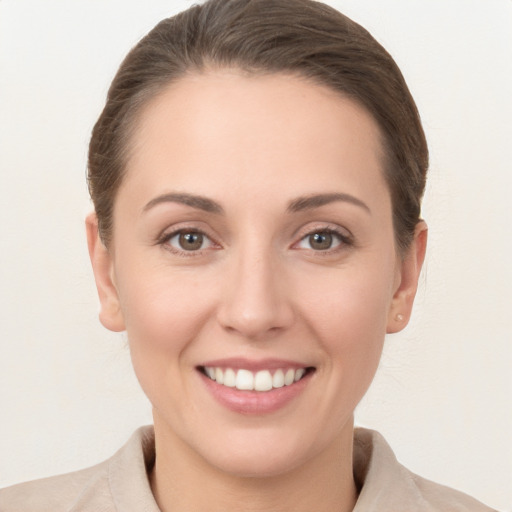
(344, 240)
(167, 237)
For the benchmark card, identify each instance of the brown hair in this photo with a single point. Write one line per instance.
(303, 37)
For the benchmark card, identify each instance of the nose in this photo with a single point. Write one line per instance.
(255, 300)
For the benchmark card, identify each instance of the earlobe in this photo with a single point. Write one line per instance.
(102, 265)
(408, 276)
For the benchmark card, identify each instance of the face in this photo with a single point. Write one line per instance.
(254, 268)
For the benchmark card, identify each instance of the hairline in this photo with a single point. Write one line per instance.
(140, 102)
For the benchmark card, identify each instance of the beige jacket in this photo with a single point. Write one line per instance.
(121, 484)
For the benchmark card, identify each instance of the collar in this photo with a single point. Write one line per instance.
(385, 485)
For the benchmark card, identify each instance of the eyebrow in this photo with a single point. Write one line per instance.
(297, 205)
(317, 200)
(194, 201)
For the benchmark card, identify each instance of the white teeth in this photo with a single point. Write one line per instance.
(289, 377)
(244, 380)
(278, 379)
(262, 380)
(229, 378)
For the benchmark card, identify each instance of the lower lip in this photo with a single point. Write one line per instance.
(255, 402)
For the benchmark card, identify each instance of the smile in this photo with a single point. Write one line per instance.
(262, 380)
(255, 387)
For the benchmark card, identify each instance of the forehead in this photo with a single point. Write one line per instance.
(282, 131)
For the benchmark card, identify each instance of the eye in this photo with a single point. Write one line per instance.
(188, 241)
(322, 240)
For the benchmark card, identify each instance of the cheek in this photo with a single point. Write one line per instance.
(163, 315)
(160, 306)
(350, 303)
(349, 317)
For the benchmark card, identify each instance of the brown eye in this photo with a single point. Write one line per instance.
(320, 241)
(190, 241)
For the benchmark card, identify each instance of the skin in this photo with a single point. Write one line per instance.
(259, 289)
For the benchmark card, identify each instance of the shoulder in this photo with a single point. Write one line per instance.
(387, 486)
(119, 483)
(57, 493)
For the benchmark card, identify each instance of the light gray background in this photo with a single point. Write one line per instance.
(442, 396)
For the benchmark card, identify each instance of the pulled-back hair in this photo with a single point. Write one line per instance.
(301, 37)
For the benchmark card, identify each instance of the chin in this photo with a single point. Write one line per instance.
(260, 454)
(260, 465)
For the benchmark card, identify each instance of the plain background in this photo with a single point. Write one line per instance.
(442, 397)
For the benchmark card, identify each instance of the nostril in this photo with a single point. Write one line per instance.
(254, 302)
(255, 320)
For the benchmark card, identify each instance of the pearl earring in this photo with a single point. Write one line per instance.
(399, 317)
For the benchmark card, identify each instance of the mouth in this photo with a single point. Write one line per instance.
(263, 380)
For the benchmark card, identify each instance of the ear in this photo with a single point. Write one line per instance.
(102, 265)
(408, 275)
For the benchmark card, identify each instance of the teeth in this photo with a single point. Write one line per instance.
(262, 380)
(289, 377)
(244, 380)
(278, 379)
(229, 378)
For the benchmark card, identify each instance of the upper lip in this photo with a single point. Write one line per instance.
(238, 363)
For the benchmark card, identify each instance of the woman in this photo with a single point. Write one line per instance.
(257, 175)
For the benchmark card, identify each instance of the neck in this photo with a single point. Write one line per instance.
(183, 481)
